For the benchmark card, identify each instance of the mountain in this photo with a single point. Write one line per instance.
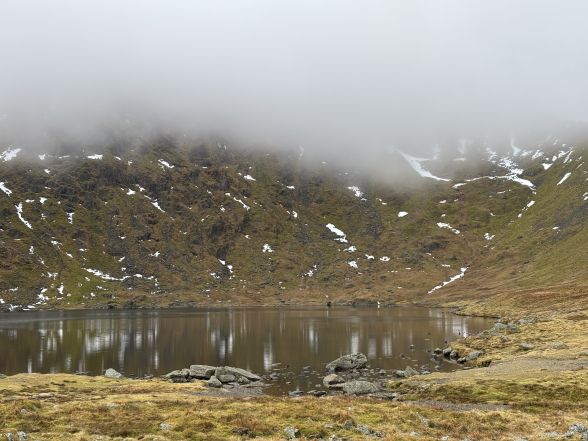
(169, 222)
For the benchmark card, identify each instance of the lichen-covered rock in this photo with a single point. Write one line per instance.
(347, 362)
(202, 371)
(359, 387)
(111, 373)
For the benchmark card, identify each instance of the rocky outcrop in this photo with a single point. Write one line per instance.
(201, 371)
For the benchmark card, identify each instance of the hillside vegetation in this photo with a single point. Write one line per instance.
(164, 223)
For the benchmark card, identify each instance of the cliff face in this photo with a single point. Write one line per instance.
(165, 223)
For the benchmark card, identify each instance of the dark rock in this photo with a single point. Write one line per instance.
(438, 351)
(295, 393)
(447, 352)
(347, 362)
(317, 393)
(454, 355)
(235, 372)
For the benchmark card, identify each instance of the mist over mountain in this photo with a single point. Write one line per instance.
(346, 80)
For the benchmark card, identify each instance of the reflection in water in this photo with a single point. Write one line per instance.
(139, 343)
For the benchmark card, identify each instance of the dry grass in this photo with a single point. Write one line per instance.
(58, 407)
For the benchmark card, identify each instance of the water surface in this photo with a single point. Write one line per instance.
(154, 342)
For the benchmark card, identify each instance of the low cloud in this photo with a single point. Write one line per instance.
(348, 79)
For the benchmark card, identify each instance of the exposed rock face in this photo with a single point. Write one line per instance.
(202, 371)
(111, 373)
(359, 387)
(347, 362)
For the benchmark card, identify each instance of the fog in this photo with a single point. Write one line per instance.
(345, 78)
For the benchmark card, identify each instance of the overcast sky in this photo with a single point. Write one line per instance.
(330, 75)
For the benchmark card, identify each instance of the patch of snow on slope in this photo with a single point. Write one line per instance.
(333, 229)
(351, 249)
(70, 217)
(352, 264)
(249, 178)
(566, 176)
(5, 189)
(156, 205)
(488, 236)
(22, 219)
(98, 157)
(448, 227)
(402, 213)
(546, 166)
(245, 206)
(415, 163)
(9, 154)
(451, 279)
(130, 192)
(356, 191)
(165, 164)
(267, 248)
(102, 275)
(385, 259)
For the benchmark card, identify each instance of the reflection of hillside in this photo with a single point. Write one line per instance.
(145, 342)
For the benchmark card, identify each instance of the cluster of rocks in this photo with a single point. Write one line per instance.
(20, 436)
(361, 429)
(214, 376)
(352, 365)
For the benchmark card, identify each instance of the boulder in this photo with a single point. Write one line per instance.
(333, 381)
(410, 372)
(347, 362)
(111, 373)
(291, 432)
(228, 374)
(474, 355)
(447, 352)
(214, 382)
(454, 355)
(178, 376)
(526, 346)
(201, 371)
(359, 387)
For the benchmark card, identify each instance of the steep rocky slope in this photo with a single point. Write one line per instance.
(165, 222)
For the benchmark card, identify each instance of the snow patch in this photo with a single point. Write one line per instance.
(566, 176)
(165, 164)
(333, 229)
(98, 157)
(451, 279)
(352, 264)
(448, 227)
(402, 213)
(9, 154)
(267, 248)
(22, 219)
(415, 163)
(249, 178)
(5, 189)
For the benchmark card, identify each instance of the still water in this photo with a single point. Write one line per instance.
(154, 342)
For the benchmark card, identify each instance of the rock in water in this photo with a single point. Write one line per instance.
(348, 362)
(111, 373)
(333, 381)
(202, 371)
(359, 387)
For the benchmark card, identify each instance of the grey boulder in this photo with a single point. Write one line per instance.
(359, 387)
(228, 374)
(214, 382)
(111, 373)
(347, 362)
(202, 371)
(333, 381)
(178, 376)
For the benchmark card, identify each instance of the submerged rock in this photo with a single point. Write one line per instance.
(347, 362)
(111, 373)
(359, 387)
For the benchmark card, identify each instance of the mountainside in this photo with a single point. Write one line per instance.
(166, 223)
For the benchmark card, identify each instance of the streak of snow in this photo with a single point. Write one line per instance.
(451, 279)
(566, 176)
(448, 227)
(351, 249)
(156, 205)
(165, 163)
(99, 157)
(385, 259)
(356, 191)
(352, 264)
(415, 163)
(5, 189)
(22, 219)
(249, 178)
(402, 213)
